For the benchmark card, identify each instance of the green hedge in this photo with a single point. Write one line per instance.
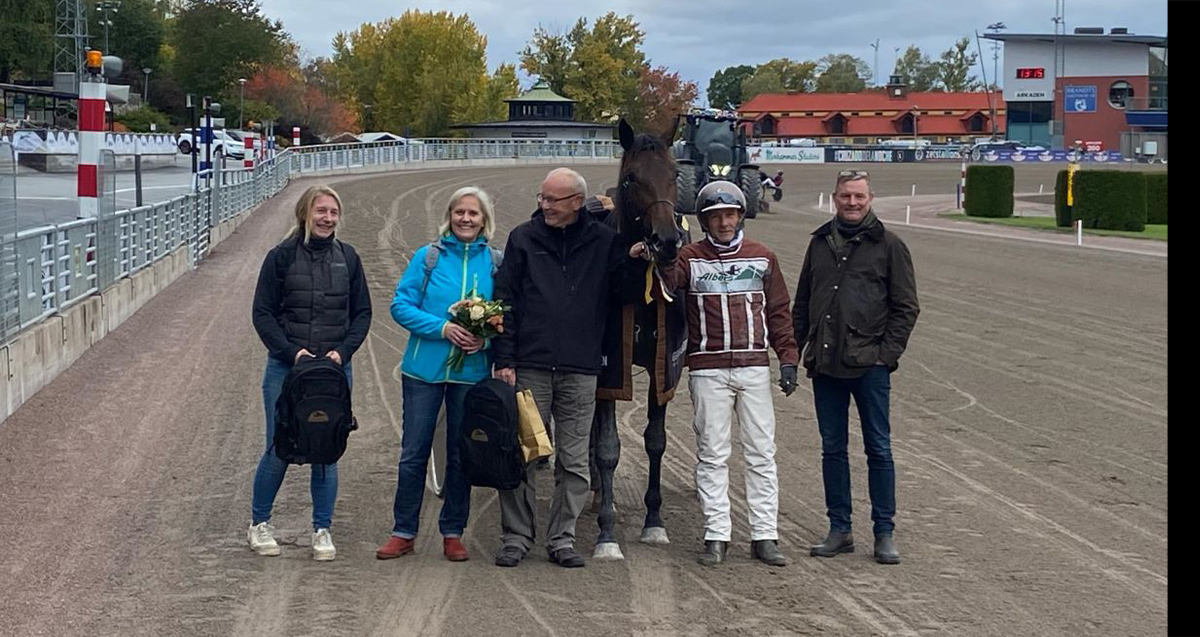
(1062, 216)
(989, 191)
(1156, 198)
(1111, 199)
(138, 120)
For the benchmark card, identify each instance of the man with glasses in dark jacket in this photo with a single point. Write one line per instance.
(855, 307)
(561, 270)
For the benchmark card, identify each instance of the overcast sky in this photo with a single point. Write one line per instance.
(699, 37)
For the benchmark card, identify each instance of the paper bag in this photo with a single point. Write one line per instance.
(535, 442)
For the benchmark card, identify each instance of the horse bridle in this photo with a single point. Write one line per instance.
(623, 189)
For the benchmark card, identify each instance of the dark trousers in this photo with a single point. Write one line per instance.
(871, 393)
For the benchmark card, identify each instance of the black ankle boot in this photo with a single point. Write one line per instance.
(885, 550)
(836, 542)
(714, 552)
(767, 551)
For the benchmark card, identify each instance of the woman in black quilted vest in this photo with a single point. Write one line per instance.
(311, 300)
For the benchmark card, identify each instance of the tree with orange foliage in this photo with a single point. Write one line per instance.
(661, 96)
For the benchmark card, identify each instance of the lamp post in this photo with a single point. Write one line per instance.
(105, 6)
(241, 101)
(875, 45)
(916, 111)
(146, 86)
(995, 28)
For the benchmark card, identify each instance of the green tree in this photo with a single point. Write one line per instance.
(548, 56)
(502, 85)
(954, 70)
(219, 41)
(780, 76)
(606, 62)
(26, 39)
(420, 73)
(136, 33)
(725, 87)
(842, 73)
(603, 64)
(917, 71)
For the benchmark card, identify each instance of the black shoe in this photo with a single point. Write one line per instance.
(767, 551)
(510, 555)
(714, 552)
(836, 542)
(885, 550)
(567, 557)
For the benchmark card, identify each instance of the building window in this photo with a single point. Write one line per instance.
(837, 125)
(975, 124)
(861, 140)
(808, 113)
(877, 113)
(837, 140)
(947, 112)
(1119, 94)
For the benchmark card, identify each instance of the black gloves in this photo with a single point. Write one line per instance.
(787, 379)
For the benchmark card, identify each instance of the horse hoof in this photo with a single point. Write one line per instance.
(654, 535)
(607, 551)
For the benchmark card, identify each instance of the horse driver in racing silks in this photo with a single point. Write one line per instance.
(737, 306)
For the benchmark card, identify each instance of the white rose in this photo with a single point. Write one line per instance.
(476, 312)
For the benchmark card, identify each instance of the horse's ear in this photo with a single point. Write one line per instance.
(668, 136)
(625, 132)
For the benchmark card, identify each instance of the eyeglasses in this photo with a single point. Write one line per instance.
(847, 175)
(547, 199)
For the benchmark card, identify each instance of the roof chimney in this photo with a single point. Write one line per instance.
(896, 88)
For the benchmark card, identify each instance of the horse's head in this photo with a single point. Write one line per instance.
(646, 192)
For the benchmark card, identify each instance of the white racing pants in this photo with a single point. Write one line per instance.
(716, 395)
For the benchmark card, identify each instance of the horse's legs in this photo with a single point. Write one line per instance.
(607, 455)
(655, 437)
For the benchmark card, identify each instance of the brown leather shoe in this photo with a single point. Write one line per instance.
(454, 550)
(395, 547)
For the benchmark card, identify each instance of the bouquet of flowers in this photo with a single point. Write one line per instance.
(478, 316)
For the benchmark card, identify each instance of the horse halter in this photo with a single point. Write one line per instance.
(639, 214)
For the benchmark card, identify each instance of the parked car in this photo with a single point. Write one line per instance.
(223, 142)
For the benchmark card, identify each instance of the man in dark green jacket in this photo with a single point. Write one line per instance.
(855, 307)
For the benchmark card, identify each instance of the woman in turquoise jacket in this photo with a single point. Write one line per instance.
(462, 264)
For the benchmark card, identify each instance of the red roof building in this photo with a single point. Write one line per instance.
(870, 117)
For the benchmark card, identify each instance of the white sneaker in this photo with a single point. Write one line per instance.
(322, 546)
(262, 539)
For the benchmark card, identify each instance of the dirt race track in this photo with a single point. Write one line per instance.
(1029, 429)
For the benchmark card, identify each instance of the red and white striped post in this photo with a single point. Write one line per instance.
(295, 137)
(92, 96)
(962, 180)
(248, 154)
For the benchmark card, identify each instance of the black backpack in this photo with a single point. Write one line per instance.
(491, 449)
(313, 418)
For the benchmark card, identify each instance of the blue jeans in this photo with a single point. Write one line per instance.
(871, 394)
(422, 402)
(269, 476)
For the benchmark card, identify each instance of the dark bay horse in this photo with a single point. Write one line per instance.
(650, 333)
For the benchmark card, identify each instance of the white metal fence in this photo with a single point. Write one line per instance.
(45, 270)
